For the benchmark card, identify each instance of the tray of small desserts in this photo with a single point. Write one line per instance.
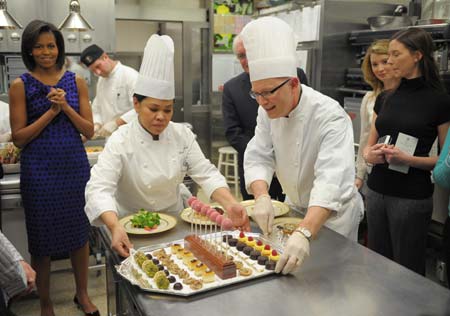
(200, 263)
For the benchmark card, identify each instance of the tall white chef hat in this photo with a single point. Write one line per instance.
(156, 76)
(270, 47)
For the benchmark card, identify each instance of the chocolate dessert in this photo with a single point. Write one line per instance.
(254, 255)
(262, 260)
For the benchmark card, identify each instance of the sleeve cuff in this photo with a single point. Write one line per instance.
(327, 196)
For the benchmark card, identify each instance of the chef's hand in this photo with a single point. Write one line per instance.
(107, 129)
(30, 275)
(263, 213)
(294, 253)
(239, 217)
(6, 137)
(119, 241)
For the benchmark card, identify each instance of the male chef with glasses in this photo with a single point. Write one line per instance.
(302, 135)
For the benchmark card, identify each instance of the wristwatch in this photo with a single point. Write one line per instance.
(305, 232)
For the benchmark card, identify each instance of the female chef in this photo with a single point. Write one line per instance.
(145, 161)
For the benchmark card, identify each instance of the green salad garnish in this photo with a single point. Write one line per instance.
(145, 219)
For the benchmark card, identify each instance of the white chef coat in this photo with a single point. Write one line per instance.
(129, 116)
(134, 171)
(4, 118)
(114, 94)
(312, 153)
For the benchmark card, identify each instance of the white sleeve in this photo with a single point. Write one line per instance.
(200, 169)
(101, 187)
(334, 169)
(259, 157)
(129, 116)
(96, 111)
(368, 101)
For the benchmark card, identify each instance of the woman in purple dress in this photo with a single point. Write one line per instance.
(49, 109)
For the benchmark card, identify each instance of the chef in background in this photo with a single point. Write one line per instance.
(113, 104)
(145, 161)
(5, 128)
(302, 135)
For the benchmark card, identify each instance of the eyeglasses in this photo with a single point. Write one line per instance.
(267, 94)
(241, 56)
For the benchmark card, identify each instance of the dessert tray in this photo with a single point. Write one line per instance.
(200, 263)
(280, 209)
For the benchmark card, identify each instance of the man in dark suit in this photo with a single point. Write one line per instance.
(239, 115)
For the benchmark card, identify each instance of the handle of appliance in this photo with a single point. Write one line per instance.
(1, 36)
(15, 36)
(87, 38)
(72, 38)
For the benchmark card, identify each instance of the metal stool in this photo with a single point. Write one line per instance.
(228, 158)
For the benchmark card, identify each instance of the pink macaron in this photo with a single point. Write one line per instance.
(219, 219)
(227, 224)
(204, 209)
(213, 215)
(191, 200)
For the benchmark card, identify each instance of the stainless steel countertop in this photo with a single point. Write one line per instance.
(340, 278)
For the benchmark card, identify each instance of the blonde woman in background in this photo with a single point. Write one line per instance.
(379, 75)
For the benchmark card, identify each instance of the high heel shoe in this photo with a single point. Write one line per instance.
(80, 307)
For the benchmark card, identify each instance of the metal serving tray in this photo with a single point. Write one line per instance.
(258, 271)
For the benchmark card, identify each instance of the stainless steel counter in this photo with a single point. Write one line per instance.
(340, 278)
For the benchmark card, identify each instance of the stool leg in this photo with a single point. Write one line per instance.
(226, 167)
(219, 164)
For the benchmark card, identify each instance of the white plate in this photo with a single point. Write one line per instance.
(280, 208)
(166, 222)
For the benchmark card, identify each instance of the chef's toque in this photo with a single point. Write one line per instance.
(270, 46)
(156, 76)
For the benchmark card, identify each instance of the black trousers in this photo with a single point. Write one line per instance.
(398, 228)
(446, 247)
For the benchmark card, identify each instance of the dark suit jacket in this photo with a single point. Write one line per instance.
(240, 111)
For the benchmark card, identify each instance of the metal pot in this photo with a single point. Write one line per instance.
(386, 22)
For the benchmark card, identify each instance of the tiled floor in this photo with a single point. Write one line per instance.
(62, 291)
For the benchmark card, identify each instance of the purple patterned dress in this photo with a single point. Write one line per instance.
(53, 174)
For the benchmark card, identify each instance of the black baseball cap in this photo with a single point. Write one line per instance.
(91, 54)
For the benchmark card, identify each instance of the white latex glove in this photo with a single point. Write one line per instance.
(97, 127)
(263, 213)
(6, 137)
(107, 129)
(294, 253)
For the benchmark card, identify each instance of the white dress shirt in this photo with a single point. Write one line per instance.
(134, 171)
(114, 94)
(312, 153)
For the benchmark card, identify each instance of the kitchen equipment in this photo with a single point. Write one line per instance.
(75, 21)
(386, 22)
(7, 21)
(435, 9)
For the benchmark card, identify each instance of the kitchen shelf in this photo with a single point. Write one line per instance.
(286, 7)
(439, 33)
(352, 90)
